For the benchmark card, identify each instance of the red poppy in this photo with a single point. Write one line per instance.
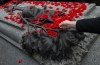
(57, 8)
(44, 16)
(47, 26)
(83, 6)
(41, 30)
(22, 26)
(19, 21)
(52, 3)
(47, 11)
(76, 16)
(50, 7)
(80, 14)
(31, 7)
(52, 33)
(0, 6)
(34, 31)
(20, 60)
(6, 17)
(72, 15)
(12, 18)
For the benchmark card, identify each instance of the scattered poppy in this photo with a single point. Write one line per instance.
(19, 60)
(6, 17)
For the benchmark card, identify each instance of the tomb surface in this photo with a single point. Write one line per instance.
(13, 30)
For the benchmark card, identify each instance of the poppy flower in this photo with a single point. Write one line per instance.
(42, 5)
(44, 16)
(47, 26)
(65, 17)
(0, 6)
(76, 16)
(78, 10)
(31, 7)
(19, 21)
(72, 15)
(64, 10)
(20, 60)
(40, 30)
(52, 3)
(83, 6)
(46, 11)
(34, 31)
(56, 25)
(57, 8)
(80, 14)
(12, 18)
(17, 17)
(52, 33)
(56, 4)
(6, 17)
(50, 7)
(22, 26)
(74, 3)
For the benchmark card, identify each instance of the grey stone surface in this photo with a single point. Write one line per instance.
(9, 55)
(93, 56)
(96, 12)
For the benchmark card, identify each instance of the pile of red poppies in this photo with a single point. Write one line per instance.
(15, 18)
(71, 10)
(57, 18)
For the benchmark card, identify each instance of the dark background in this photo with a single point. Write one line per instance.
(93, 1)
